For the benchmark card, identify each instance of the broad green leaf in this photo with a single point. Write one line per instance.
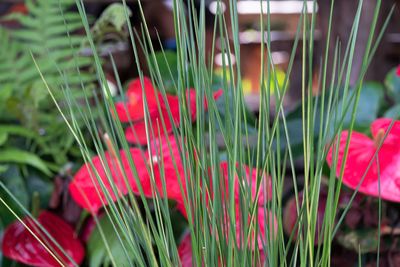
(18, 130)
(13, 155)
(167, 63)
(14, 182)
(3, 138)
(392, 83)
(5, 92)
(36, 183)
(295, 132)
(364, 240)
(3, 168)
(371, 98)
(393, 112)
(96, 249)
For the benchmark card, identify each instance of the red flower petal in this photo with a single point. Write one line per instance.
(382, 125)
(137, 133)
(166, 156)
(264, 189)
(134, 106)
(266, 221)
(156, 117)
(88, 193)
(185, 251)
(191, 99)
(20, 245)
(398, 71)
(361, 152)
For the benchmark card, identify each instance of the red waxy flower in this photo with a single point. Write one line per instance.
(133, 111)
(167, 166)
(88, 193)
(398, 71)
(86, 189)
(263, 190)
(20, 245)
(362, 149)
(185, 251)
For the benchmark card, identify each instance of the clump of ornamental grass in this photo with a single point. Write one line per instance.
(199, 153)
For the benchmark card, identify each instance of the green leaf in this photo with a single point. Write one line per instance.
(36, 183)
(38, 93)
(14, 182)
(371, 98)
(393, 112)
(5, 92)
(13, 155)
(3, 138)
(3, 168)
(392, 83)
(363, 241)
(167, 63)
(10, 129)
(96, 249)
(295, 132)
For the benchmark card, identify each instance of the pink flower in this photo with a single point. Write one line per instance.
(263, 189)
(133, 110)
(89, 194)
(384, 168)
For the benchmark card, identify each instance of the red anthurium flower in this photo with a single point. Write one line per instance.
(386, 165)
(89, 194)
(137, 134)
(185, 251)
(398, 71)
(263, 190)
(168, 167)
(265, 221)
(133, 111)
(86, 189)
(20, 245)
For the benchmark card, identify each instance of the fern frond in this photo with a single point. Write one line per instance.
(48, 33)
